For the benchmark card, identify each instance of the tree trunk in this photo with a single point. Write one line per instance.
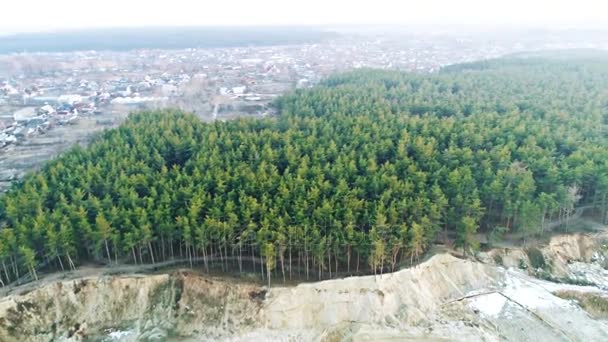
(306, 262)
(319, 271)
(329, 262)
(268, 278)
(221, 257)
(158, 251)
(33, 273)
(299, 264)
(205, 259)
(240, 257)
(348, 252)
(336, 263)
(60, 263)
(262, 266)
(108, 251)
(162, 246)
(71, 262)
(226, 253)
(283, 267)
(8, 279)
(253, 258)
(542, 222)
(395, 254)
(134, 255)
(16, 268)
(211, 254)
(151, 252)
(306, 256)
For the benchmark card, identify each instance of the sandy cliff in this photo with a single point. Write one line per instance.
(444, 298)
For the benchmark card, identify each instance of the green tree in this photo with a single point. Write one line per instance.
(467, 235)
(105, 233)
(416, 241)
(29, 259)
(270, 256)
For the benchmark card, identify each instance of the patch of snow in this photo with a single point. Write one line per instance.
(537, 294)
(264, 334)
(591, 272)
(528, 293)
(120, 335)
(490, 304)
(137, 99)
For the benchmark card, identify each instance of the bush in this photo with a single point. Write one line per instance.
(545, 275)
(576, 281)
(498, 259)
(537, 259)
(497, 234)
(522, 264)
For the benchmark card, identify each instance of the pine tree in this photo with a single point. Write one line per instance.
(467, 238)
(105, 233)
(270, 256)
(29, 259)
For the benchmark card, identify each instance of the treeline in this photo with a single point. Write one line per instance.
(359, 173)
(165, 38)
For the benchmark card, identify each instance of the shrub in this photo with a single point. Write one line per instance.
(545, 275)
(497, 234)
(522, 264)
(498, 259)
(537, 259)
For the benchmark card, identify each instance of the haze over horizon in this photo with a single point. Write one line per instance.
(39, 15)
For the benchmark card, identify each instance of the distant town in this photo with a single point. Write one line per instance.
(50, 101)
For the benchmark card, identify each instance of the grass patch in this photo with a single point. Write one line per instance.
(595, 304)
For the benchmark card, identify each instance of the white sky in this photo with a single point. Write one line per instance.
(37, 15)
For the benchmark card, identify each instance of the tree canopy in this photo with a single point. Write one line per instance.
(359, 173)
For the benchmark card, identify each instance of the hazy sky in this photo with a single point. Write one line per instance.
(36, 15)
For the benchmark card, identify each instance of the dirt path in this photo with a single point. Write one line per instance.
(91, 271)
